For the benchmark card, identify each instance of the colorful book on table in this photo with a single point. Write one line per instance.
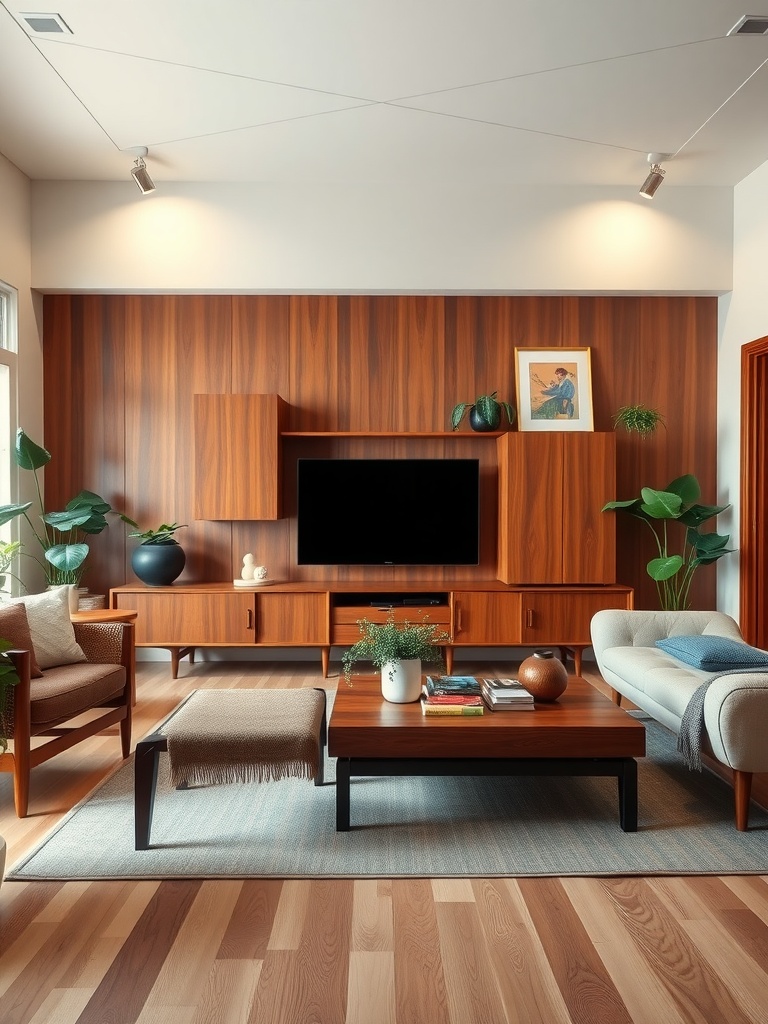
(452, 699)
(440, 710)
(466, 685)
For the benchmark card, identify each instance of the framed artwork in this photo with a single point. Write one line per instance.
(554, 389)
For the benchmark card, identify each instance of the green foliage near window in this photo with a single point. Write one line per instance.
(638, 419)
(678, 503)
(62, 536)
(395, 641)
(8, 677)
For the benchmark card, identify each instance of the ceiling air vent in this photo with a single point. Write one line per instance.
(47, 23)
(750, 25)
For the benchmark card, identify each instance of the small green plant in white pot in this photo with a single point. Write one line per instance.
(397, 649)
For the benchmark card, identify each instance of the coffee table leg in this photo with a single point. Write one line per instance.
(628, 796)
(343, 766)
(145, 782)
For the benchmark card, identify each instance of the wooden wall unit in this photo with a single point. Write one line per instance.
(552, 487)
(238, 462)
(121, 372)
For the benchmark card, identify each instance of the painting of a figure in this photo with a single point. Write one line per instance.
(554, 389)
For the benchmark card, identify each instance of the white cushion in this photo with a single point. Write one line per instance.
(50, 626)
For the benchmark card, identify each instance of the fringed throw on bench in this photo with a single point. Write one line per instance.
(220, 736)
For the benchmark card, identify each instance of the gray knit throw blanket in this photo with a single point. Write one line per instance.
(692, 722)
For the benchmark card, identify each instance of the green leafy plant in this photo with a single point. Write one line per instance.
(63, 534)
(485, 408)
(638, 418)
(7, 554)
(678, 502)
(393, 641)
(8, 677)
(162, 535)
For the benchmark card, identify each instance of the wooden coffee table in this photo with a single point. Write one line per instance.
(582, 733)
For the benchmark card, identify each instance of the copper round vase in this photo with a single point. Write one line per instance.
(543, 675)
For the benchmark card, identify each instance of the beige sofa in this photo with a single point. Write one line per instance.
(735, 705)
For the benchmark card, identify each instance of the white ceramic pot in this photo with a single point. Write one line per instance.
(401, 680)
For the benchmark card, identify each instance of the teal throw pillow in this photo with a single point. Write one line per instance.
(713, 653)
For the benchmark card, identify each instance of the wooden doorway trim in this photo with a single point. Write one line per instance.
(753, 530)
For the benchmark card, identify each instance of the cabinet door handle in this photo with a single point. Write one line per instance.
(249, 619)
(458, 618)
(529, 618)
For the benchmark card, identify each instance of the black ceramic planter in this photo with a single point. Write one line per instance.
(158, 565)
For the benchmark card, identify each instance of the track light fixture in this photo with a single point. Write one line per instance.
(139, 171)
(655, 177)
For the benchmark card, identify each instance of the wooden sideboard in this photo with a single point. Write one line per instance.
(183, 617)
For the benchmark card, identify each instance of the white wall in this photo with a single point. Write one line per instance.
(16, 270)
(236, 237)
(744, 318)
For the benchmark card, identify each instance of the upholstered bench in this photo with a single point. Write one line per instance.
(221, 736)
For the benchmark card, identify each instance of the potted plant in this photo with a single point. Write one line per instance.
(397, 649)
(638, 418)
(678, 502)
(62, 537)
(159, 559)
(484, 413)
(7, 554)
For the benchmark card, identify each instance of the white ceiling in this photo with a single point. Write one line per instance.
(472, 92)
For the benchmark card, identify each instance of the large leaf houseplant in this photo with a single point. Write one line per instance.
(674, 567)
(63, 535)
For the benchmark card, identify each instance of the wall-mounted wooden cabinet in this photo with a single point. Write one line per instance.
(552, 486)
(237, 456)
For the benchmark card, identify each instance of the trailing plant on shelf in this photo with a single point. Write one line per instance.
(62, 537)
(391, 642)
(8, 677)
(638, 418)
(484, 413)
(679, 502)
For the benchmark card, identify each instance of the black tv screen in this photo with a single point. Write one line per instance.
(388, 511)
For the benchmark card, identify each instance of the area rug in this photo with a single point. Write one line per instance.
(406, 827)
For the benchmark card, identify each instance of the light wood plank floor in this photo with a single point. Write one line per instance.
(408, 951)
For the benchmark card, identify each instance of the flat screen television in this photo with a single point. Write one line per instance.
(388, 511)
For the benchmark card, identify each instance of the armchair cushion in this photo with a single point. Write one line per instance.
(53, 637)
(713, 653)
(68, 690)
(14, 627)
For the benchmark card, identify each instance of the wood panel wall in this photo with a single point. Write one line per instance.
(120, 373)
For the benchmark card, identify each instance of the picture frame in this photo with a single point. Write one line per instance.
(554, 388)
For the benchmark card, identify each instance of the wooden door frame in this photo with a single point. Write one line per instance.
(753, 556)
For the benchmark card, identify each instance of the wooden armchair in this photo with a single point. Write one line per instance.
(104, 683)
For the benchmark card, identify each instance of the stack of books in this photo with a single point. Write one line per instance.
(452, 695)
(506, 695)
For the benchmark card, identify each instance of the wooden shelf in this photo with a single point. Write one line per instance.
(394, 433)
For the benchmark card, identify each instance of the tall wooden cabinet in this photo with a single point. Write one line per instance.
(552, 486)
(238, 466)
